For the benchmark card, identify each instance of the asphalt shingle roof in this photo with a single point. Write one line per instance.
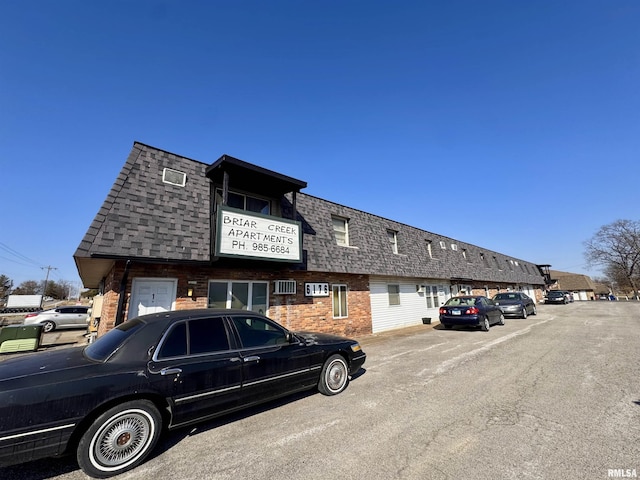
(145, 218)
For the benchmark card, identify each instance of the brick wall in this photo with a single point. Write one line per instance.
(295, 312)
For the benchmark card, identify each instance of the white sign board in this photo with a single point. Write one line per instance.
(245, 234)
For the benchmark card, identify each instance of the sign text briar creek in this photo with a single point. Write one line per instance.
(243, 234)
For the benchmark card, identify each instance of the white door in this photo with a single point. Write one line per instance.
(151, 296)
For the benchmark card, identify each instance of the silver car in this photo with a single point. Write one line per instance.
(73, 316)
(515, 304)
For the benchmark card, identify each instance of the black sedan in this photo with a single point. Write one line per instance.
(109, 401)
(476, 311)
(515, 304)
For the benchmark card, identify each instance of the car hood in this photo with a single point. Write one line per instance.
(43, 363)
(314, 338)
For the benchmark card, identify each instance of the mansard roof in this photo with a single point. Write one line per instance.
(147, 219)
(369, 251)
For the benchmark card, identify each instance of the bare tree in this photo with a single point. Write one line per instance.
(616, 247)
(28, 287)
(6, 284)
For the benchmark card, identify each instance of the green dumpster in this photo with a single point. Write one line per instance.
(20, 338)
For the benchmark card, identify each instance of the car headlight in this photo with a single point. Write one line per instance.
(355, 347)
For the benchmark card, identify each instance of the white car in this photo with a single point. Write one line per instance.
(73, 316)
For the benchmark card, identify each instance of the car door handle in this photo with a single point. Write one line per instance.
(253, 358)
(170, 371)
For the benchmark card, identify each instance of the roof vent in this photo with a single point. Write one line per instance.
(174, 177)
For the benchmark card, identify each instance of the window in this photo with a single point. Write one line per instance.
(339, 294)
(243, 295)
(247, 202)
(443, 245)
(431, 295)
(340, 230)
(394, 294)
(429, 250)
(175, 343)
(259, 332)
(205, 335)
(454, 247)
(174, 177)
(392, 235)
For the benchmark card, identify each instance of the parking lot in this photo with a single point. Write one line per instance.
(554, 396)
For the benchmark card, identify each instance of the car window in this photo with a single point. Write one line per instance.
(175, 342)
(258, 332)
(207, 335)
(104, 346)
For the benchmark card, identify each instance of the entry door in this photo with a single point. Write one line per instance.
(151, 296)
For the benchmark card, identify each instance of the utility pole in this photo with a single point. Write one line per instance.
(44, 290)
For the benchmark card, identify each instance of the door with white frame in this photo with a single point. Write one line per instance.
(151, 295)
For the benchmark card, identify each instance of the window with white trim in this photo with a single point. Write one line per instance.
(392, 235)
(244, 295)
(429, 249)
(431, 295)
(340, 230)
(394, 294)
(339, 300)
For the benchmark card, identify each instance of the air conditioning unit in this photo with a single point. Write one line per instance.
(285, 287)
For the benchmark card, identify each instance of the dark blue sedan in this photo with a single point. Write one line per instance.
(475, 311)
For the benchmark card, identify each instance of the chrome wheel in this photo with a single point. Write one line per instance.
(48, 327)
(335, 375)
(119, 439)
(122, 439)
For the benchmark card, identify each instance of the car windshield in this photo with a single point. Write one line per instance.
(466, 301)
(104, 346)
(506, 296)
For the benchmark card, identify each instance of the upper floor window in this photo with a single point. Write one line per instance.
(341, 230)
(429, 249)
(392, 235)
(247, 202)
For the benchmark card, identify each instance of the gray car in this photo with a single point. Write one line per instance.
(71, 316)
(515, 304)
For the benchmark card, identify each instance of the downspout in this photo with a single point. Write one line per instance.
(123, 294)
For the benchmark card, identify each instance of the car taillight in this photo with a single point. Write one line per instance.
(472, 311)
(30, 315)
(443, 311)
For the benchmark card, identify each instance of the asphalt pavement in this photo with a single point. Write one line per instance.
(555, 396)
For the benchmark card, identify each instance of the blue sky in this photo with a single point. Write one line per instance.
(523, 114)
